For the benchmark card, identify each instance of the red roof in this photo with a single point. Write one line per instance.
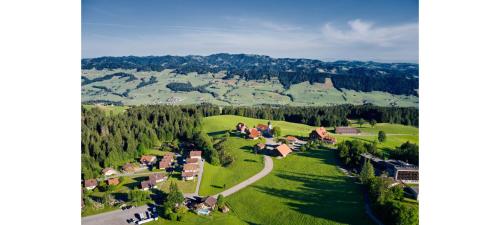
(254, 133)
(261, 127)
(128, 167)
(190, 167)
(261, 145)
(156, 176)
(283, 150)
(291, 138)
(147, 158)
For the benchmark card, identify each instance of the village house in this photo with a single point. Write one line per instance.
(90, 184)
(283, 150)
(207, 204)
(166, 161)
(321, 134)
(192, 161)
(253, 133)
(346, 130)
(190, 168)
(259, 147)
(265, 130)
(188, 175)
(108, 171)
(113, 181)
(128, 168)
(241, 127)
(148, 160)
(195, 154)
(147, 184)
(157, 177)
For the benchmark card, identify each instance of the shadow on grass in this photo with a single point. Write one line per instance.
(333, 198)
(250, 160)
(216, 186)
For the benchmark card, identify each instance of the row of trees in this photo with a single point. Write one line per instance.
(329, 115)
(386, 200)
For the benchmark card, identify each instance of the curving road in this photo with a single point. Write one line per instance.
(268, 167)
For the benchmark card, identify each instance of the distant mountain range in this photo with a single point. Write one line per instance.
(394, 78)
(241, 79)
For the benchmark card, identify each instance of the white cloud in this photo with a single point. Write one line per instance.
(360, 40)
(365, 32)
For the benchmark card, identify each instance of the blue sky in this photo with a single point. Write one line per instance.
(379, 30)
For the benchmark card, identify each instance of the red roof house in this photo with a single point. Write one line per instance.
(283, 150)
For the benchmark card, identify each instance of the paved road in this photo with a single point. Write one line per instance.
(199, 178)
(117, 217)
(268, 167)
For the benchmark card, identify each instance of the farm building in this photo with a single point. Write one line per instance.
(188, 175)
(157, 177)
(346, 130)
(283, 150)
(291, 139)
(148, 160)
(253, 133)
(195, 154)
(113, 181)
(207, 203)
(90, 184)
(108, 171)
(321, 134)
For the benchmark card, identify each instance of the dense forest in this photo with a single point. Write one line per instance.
(113, 140)
(395, 78)
(329, 115)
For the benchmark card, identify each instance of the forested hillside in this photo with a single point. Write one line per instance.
(394, 78)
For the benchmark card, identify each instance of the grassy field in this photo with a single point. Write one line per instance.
(304, 188)
(108, 109)
(246, 165)
(234, 91)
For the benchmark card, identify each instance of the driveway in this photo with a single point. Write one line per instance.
(268, 167)
(117, 217)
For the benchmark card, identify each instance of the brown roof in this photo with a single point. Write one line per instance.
(113, 181)
(262, 127)
(346, 130)
(90, 183)
(210, 201)
(148, 184)
(164, 164)
(148, 158)
(283, 149)
(193, 160)
(105, 170)
(254, 133)
(190, 167)
(321, 131)
(156, 176)
(194, 153)
(168, 158)
(169, 154)
(188, 174)
(128, 167)
(261, 145)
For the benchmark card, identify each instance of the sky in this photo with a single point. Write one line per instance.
(329, 30)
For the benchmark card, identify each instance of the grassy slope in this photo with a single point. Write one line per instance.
(246, 165)
(304, 188)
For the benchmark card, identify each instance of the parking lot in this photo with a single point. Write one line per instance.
(117, 217)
